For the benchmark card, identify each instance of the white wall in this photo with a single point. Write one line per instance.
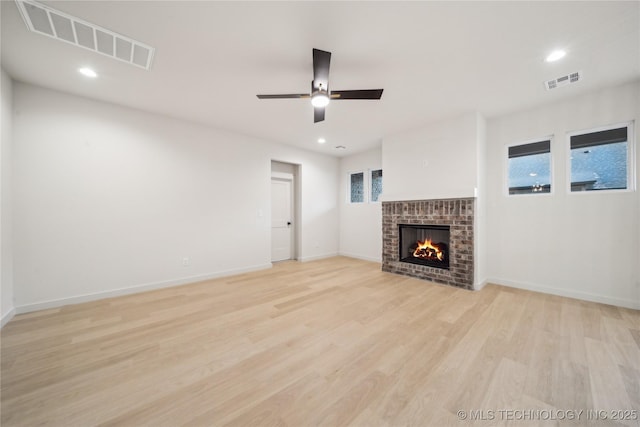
(360, 223)
(434, 162)
(480, 230)
(110, 200)
(281, 167)
(6, 247)
(578, 245)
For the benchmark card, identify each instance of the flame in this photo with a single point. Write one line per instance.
(428, 250)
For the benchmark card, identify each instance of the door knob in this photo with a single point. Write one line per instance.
(288, 223)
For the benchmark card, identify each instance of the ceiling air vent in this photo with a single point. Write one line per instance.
(563, 81)
(44, 20)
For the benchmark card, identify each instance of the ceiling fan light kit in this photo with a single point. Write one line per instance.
(320, 94)
(320, 98)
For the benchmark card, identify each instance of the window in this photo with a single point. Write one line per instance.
(530, 168)
(600, 160)
(376, 185)
(356, 187)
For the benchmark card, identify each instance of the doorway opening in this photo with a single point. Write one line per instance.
(285, 210)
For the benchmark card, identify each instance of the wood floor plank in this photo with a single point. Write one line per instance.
(329, 342)
(607, 385)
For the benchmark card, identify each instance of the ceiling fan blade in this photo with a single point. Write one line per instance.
(285, 96)
(357, 94)
(318, 114)
(321, 62)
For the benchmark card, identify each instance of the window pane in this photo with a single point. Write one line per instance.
(599, 167)
(376, 185)
(357, 187)
(530, 168)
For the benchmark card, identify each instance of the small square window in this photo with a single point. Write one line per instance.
(600, 160)
(376, 185)
(530, 168)
(356, 187)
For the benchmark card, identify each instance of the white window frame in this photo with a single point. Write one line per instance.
(370, 186)
(631, 160)
(365, 183)
(505, 168)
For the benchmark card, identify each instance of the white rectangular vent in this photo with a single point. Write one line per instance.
(563, 81)
(44, 20)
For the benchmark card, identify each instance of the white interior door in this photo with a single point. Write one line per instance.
(281, 219)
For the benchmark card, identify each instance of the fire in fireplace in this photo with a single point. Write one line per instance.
(425, 245)
(430, 251)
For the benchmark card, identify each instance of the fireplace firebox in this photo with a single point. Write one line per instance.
(424, 245)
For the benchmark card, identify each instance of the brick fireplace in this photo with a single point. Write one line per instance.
(457, 214)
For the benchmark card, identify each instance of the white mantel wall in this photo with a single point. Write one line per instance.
(579, 245)
(438, 161)
(480, 230)
(109, 200)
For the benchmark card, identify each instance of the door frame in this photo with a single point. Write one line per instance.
(295, 205)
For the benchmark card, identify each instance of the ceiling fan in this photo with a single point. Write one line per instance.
(320, 94)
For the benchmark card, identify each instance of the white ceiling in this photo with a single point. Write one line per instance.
(433, 59)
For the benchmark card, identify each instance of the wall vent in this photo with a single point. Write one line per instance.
(563, 81)
(47, 21)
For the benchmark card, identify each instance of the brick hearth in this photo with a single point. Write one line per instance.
(457, 213)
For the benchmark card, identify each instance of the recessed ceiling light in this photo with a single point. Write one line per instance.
(88, 72)
(321, 140)
(555, 55)
(341, 147)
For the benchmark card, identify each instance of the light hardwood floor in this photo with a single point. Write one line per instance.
(331, 342)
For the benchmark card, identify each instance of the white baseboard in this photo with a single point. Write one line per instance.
(570, 293)
(317, 257)
(362, 257)
(135, 289)
(479, 286)
(8, 316)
